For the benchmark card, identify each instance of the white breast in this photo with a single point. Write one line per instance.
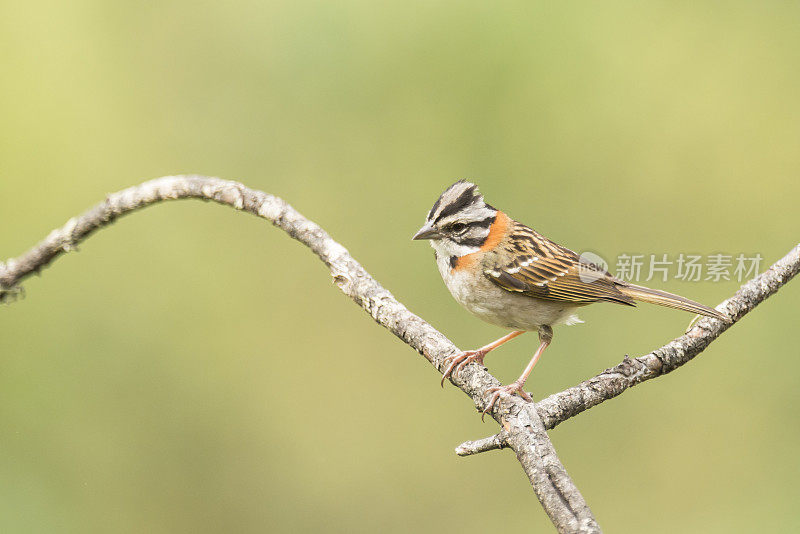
(495, 305)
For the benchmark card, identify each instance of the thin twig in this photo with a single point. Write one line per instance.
(492, 443)
(631, 371)
(612, 382)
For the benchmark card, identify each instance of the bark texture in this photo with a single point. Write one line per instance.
(523, 424)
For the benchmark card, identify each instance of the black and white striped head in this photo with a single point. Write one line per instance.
(458, 223)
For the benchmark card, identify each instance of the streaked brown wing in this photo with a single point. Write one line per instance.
(546, 270)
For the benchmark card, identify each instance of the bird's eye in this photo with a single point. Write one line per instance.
(458, 227)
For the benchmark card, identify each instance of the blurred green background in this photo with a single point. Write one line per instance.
(194, 370)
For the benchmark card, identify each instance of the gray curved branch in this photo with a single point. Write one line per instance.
(526, 434)
(523, 423)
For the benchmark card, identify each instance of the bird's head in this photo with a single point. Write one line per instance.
(459, 221)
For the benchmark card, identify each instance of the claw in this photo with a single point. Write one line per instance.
(458, 361)
(513, 387)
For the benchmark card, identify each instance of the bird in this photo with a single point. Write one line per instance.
(509, 275)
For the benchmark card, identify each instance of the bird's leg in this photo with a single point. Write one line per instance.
(545, 337)
(458, 361)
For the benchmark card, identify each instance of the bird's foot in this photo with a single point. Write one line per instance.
(513, 387)
(458, 361)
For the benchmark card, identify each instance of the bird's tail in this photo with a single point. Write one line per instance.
(662, 298)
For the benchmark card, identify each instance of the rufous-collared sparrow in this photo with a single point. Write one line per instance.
(510, 275)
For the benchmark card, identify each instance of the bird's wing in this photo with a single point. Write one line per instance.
(538, 267)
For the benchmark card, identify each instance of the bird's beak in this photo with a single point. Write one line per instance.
(427, 232)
